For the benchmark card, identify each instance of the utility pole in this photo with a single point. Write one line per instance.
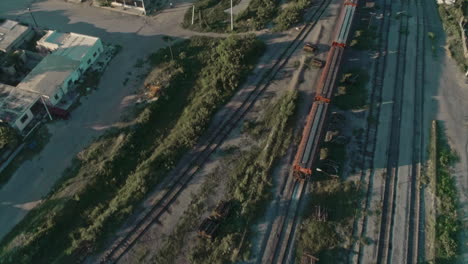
(46, 108)
(232, 20)
(193, 14)
(35, 23)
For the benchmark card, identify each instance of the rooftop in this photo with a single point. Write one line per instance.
(10, 31)
(72, 45)
(49, 74)
(14, 102)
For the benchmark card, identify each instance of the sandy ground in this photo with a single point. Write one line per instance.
(139, 36)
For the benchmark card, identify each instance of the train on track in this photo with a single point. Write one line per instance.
(309, 148)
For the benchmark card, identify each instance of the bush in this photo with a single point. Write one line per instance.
(351, 92)
(450, 16)
(210, 16)
(292, 14)
(8, 136)
(448, 225)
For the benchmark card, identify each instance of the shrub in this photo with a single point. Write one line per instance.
(8, 136)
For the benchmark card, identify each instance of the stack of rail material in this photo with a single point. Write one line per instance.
(313, 131)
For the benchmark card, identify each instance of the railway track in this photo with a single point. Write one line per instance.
(370, 142)
(283, 242)
(185, 174)
(413, 224)
(385, 243)
(418, 141)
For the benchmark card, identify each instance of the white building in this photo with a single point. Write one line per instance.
(15, 106)
(13, 34)
(70, 56)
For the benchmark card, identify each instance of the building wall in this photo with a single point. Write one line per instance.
(24, 120)
(86, 62)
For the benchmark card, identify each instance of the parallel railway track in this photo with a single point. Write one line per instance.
(185, 174)
(306, 155)
(412, 225)
(370, 143)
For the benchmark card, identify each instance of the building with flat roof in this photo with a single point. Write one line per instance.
(13, 34)
(70, 55)
(15, 106)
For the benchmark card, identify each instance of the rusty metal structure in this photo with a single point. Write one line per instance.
(308, 150)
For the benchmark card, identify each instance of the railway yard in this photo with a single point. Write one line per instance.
(346, 122)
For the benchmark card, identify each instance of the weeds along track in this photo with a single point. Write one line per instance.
(183, 176)
(370, 143)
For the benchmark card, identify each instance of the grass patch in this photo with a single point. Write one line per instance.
(351, 93)
(326, 239)
(115, 173)
(249, 186)
(448, 225)
(450, 16)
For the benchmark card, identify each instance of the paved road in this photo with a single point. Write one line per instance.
(139, 37)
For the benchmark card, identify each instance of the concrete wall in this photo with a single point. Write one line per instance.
(21, 125)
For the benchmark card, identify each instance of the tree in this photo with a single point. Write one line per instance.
(168, 40)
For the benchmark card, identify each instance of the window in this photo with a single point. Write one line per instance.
(89, 61)
(94, 55)
(23, 119)
(56, 97)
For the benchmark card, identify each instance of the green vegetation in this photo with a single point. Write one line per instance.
(451, 16)
(175, 242)
(115, 173)
(8, 136)
(365, 36)
(351, 92)
(326, 238)
(292, 14)
(364, 39)
(210, 15)
(448, 224)
(249, 185)
(104, 2)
